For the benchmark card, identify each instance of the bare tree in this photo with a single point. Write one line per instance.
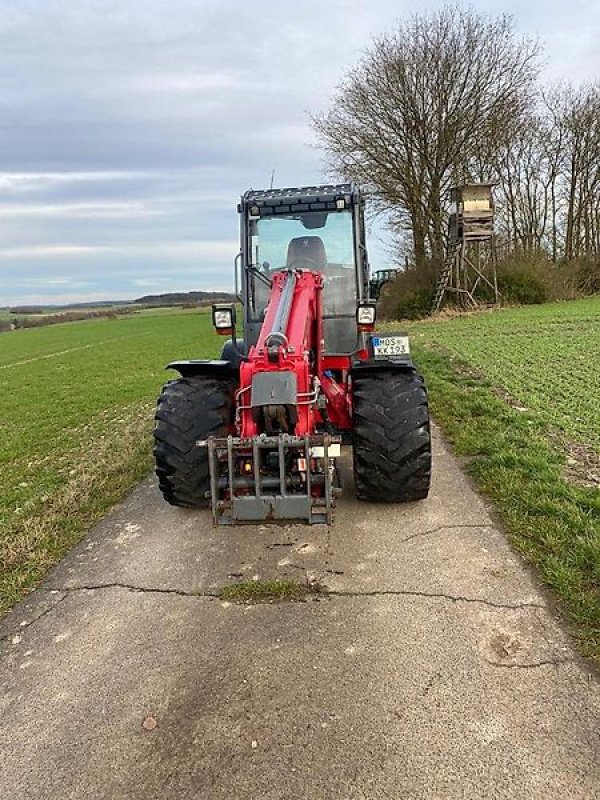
(579, 111)
(527, 165)
(416, 114)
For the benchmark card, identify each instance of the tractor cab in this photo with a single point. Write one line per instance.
(316, 228)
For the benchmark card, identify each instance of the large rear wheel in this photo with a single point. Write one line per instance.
(189, 409)
(391, 437)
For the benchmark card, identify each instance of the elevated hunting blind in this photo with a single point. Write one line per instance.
(472, 212)
(469, 271)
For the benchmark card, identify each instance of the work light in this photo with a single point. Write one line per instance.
(365, 315)
(223, 319)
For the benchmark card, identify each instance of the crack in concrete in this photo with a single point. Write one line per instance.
(324, 592)
(272, 545)
(142, 589)
(328, 550)
(433, 595)
(50, 608)
(442, 528)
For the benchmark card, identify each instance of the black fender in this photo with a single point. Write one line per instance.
(213, 368)
(374, 364)
(227, 366)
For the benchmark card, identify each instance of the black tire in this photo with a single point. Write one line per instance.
(391, 437)
(189, 409)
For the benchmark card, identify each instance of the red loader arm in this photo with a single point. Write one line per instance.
(278, 383)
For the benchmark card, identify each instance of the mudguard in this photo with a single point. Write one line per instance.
(226, 366)
(372, 364)
(214, 368)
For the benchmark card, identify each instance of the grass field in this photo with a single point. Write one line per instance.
(518, 391)
(76, 411)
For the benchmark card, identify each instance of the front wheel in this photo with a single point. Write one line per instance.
(391, 436)
(189, 409)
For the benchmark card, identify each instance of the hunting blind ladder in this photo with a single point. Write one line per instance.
(469, 271)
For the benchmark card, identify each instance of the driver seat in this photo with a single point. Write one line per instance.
(308, 252)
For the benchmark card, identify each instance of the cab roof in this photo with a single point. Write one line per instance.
(265, 202)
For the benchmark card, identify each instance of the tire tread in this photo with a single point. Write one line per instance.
(392, 437)
(189, 409)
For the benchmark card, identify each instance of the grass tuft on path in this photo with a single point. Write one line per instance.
(276, 591)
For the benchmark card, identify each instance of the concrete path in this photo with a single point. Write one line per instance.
(432, 669)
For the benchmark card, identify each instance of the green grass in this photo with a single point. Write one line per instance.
(547, 357)
(518, 391)
(76, 411)
(159, 311)
(276, 591)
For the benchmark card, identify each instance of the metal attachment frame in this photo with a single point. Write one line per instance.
(266, 497)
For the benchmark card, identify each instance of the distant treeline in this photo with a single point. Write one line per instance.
(184, 298)
(37, 316)
(53, 319)
(28, 310)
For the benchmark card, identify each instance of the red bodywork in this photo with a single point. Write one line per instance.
(303, 354)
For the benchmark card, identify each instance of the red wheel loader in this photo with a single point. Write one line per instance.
(256, 434)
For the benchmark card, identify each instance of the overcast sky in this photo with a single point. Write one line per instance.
(128, 129)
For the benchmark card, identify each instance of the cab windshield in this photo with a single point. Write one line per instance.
(315, 240)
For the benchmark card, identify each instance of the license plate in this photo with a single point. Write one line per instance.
(384, 346)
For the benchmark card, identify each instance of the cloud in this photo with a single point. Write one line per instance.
(33, 181)
(70, 210)
(130, 128)
(50, 251)
(196, 249)
(57, 281)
